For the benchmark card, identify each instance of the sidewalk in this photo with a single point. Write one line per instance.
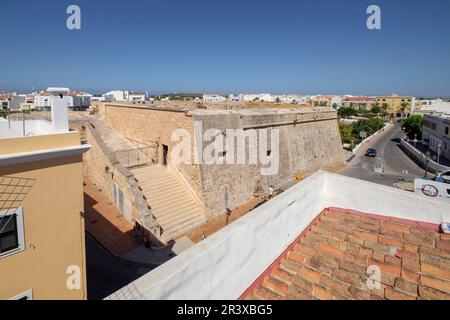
(422, 148)
(104, 222)
(116, 235)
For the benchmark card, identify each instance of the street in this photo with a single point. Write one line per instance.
(394, 161)
(105, 273)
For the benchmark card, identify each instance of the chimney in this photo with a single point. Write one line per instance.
(60, 109)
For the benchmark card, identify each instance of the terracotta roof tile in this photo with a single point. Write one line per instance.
(331, 260)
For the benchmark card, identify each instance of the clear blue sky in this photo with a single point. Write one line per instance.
(228, 46)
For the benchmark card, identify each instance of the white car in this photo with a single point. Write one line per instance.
(443, 177)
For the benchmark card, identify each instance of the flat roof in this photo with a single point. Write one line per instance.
(391, 229)
(268, 111)
(15, 128)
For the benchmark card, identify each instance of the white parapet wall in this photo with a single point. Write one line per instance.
(224, 265)
(421, 158)
(349, 193)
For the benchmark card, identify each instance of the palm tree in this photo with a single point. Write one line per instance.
(403, 108)
(384, 107)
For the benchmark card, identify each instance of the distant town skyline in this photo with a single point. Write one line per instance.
(309, 47)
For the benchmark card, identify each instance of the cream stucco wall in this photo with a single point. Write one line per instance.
(53, 224)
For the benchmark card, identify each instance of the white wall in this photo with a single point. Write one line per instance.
(224, 265)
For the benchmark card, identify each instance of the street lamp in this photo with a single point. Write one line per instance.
(439, 152)
(415, 139)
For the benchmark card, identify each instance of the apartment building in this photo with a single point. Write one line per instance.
(214, 98)
(235, 97)
(116, 95)
(436, 134)
(74, 100)
(5, 100)
(430, 106)
(359, 102)
(397, 106)
(42, 250)
(137, 96)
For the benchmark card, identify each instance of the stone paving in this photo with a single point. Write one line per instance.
(104, 222)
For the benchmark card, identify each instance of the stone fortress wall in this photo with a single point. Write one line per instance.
(309, 141)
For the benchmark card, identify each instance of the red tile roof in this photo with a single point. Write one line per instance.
(330, 260)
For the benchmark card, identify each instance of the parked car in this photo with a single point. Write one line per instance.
(443, 177)
(371, 153)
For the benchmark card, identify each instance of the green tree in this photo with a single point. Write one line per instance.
(413, 126)
(376, 109)
(345, 112)
(368, 125)
(346, 133)
(277, 100)
(403, 107)
(384, 112)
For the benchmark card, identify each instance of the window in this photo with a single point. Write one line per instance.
(446, 130)
(11, 232)
(9, 239)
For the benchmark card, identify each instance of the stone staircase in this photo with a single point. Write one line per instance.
(171, 201)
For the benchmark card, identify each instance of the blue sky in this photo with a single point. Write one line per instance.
(226, 46)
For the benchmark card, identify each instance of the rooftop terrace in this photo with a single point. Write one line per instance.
(327, 250)
(14, 128)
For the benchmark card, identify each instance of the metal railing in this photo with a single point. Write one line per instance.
(134, 157)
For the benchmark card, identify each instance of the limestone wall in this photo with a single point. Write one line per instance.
(309, 141)
(109, 175)
(151, 126)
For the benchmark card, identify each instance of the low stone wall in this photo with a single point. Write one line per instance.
(421, 159)
(107, 173)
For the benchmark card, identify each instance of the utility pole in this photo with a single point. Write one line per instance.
(425, 176)
(438, 153)
(227, 211)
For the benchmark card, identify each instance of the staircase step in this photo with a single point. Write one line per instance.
(171, 232)
(171, 195)
(172, 203)
(168, 218)
(157, 187)
(168, 206)
(177, 221)
(152, 181)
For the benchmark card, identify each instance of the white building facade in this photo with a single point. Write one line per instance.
(214, 98)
